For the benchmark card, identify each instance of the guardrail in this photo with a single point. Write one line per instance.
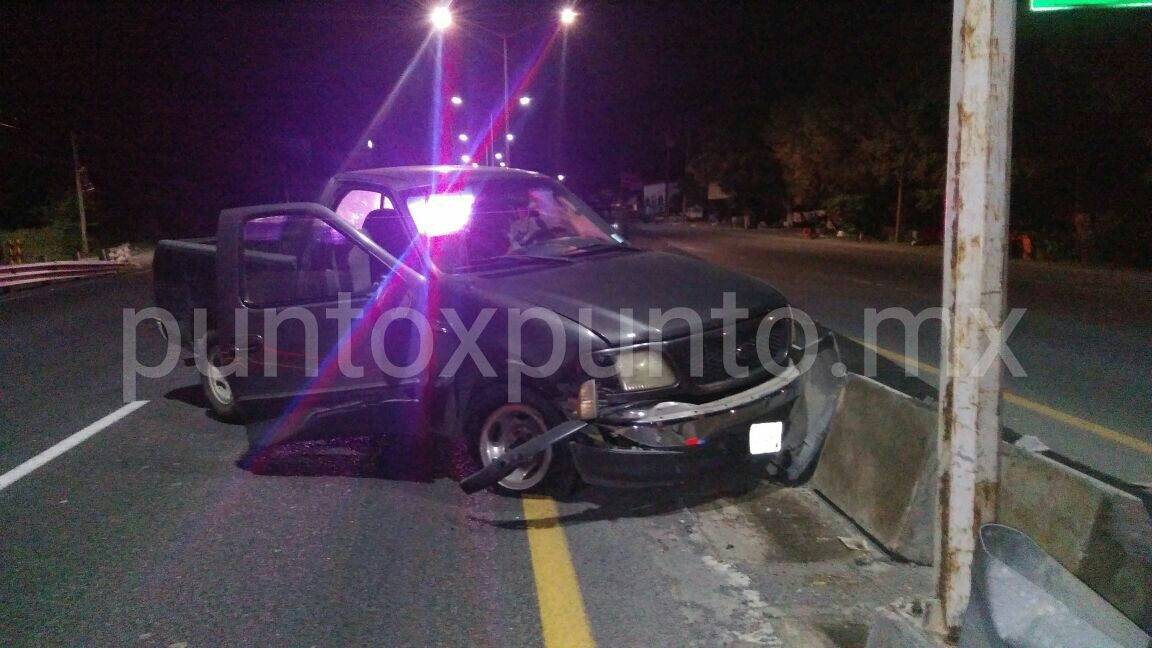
(32, 274)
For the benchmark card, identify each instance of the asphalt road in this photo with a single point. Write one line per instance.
(1085, 340)
(149, 533)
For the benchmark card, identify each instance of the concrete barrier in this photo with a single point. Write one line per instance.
(878, 465)
(1099, 533)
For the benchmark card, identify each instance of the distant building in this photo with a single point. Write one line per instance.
(661, 198)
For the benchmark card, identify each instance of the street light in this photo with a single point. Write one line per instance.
(560, 177)
(465, 159)
(370, 144)
(463, 137)
(441, 18)
(457, 100)
(499, 156)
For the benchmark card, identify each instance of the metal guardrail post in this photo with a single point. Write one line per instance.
(975, 247)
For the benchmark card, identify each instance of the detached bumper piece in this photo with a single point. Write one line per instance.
(503, 465)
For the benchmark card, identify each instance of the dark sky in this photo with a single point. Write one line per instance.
(210, 104)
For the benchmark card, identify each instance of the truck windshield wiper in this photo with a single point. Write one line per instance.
(598, 248)
(511, 261)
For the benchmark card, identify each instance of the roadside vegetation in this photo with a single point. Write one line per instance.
(870, 149)
(51, 232)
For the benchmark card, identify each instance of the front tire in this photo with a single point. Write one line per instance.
(498, 425)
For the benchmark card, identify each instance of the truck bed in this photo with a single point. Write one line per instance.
(184, 273)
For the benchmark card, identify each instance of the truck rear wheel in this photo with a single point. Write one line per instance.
(217, 389)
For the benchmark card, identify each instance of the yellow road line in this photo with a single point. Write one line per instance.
(893, 356)
(1028, 404)
(1075, 421)
(562, 617)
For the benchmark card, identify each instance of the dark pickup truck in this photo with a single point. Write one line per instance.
(510, 312)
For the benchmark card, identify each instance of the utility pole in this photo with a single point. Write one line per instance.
(489, 156)
(667, 171)
(507, 142)
(79, 196)
(899, 202)
(975, 249)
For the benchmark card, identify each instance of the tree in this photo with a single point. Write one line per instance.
(845, 151)
(737, 158)
(902, 140)
(815, 142)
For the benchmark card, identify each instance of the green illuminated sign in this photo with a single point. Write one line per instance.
(1054, 5)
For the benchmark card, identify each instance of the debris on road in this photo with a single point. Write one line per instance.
(854, 543)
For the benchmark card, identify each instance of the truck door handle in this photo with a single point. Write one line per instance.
(250, 343)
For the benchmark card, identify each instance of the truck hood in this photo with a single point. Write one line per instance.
(640, 281)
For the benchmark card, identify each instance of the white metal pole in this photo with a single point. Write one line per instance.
(975, 249)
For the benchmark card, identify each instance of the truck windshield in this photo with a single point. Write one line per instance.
(467, 225)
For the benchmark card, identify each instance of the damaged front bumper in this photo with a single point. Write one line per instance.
(667, 443)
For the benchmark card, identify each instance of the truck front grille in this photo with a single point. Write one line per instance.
(746, 351)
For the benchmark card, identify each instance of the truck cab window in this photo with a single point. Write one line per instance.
(358, 203)
(297, 260)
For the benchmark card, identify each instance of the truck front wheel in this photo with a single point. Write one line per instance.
(217, 389)
(498, 425)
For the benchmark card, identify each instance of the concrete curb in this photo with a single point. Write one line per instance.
(879, 467)
(893, 628)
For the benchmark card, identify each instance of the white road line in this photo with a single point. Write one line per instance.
(12, 476)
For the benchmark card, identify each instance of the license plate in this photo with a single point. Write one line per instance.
(764, 438)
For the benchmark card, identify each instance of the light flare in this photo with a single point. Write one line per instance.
(441, 214)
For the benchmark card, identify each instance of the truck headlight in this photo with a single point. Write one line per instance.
(642, 370)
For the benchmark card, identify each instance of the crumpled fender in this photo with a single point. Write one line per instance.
(811, 415)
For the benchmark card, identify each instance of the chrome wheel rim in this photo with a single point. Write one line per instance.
(507, 427)
(218, 382)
